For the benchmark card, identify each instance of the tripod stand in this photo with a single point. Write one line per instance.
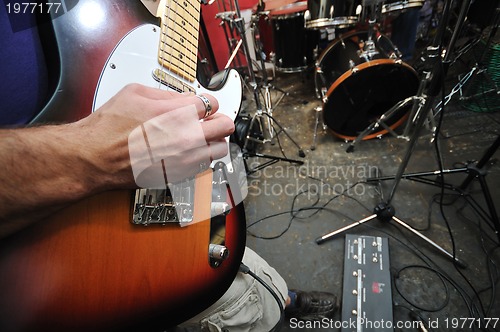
(261, 116)
(473, 171)
(384, 210)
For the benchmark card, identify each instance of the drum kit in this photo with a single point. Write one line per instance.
(348, 71)
(360, 76)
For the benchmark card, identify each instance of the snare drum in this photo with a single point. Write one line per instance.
(293, 44)
(357, 91)
(331, 13)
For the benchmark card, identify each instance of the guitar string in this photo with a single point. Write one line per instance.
(166, 54)
(161, 47)
(184, 187)
(172, 12)
(163, 70)
(191, 14)
(193, 42)
(188, 13)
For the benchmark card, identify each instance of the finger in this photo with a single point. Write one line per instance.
(152, 93)
(200, 158)
(218, 149)
(205, 105)
(217, 127)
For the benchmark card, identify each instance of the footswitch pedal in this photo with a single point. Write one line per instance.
(367, 296)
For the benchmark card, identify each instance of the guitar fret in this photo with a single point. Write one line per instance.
(178, 47)
(192, 10)
(181, 29)
(179, 38)
(184, 22)
(186, 72)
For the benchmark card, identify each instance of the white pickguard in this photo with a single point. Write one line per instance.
(136, 57)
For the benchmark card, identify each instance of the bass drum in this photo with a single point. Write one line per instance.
(357, 91)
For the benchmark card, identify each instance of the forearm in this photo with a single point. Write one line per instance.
(48, 167)
(43, 169)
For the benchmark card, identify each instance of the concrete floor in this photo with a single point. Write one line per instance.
(425, 283)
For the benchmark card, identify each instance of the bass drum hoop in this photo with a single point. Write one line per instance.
(353, 71)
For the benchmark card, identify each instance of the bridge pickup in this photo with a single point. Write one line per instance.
(156, 206)
(171, 82)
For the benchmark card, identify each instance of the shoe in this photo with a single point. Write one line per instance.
(312, 305)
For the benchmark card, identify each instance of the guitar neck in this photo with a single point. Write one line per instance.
(178, 47)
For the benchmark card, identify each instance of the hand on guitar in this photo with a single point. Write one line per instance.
(60, 164)
(156, 132)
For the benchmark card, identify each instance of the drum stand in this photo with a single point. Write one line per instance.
(438, 70)
(417, 101)
(261, 114)
(266, 85)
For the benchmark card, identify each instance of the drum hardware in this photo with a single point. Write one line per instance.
(345, 74)
(460, 87)
(263, 117)
(317, 110)
(348, 81)
(417, 101)
(400, 6)
(227, 18)
(321, 94)
(339, 14)
(436, 73)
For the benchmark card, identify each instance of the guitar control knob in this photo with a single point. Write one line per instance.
(218, 252)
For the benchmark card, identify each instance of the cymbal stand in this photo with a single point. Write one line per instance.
(227, 15)
(266, 84)
(260, 113)
(384, 211)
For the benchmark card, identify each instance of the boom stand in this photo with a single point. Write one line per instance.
(240, 26)
(384, 210)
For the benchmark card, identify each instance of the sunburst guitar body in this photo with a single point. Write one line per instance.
(88, 267)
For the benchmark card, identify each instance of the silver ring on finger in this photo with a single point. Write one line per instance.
(206, 103)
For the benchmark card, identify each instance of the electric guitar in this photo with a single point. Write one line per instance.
(94, 265)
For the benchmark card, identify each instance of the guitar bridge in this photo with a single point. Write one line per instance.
(156, 206)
